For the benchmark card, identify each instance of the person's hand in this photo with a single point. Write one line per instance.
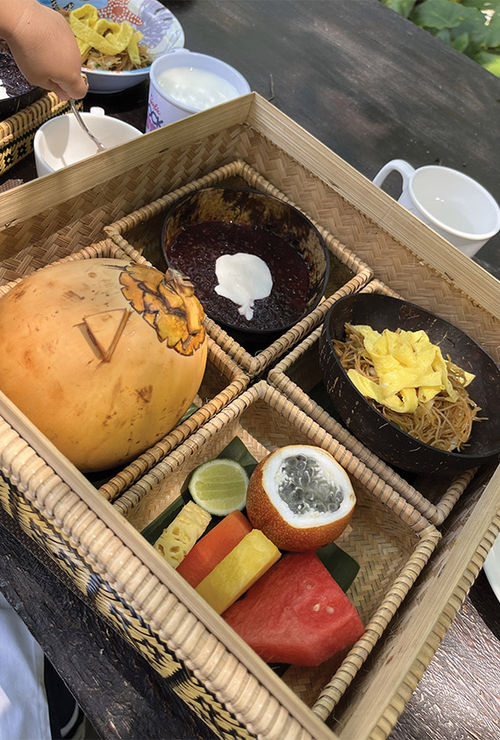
(45, 49)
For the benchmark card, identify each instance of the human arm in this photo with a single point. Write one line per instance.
(43, 47)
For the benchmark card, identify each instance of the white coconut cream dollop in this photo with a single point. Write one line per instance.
(243, 278)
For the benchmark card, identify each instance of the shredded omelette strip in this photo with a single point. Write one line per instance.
(104, 44)
(436, 409)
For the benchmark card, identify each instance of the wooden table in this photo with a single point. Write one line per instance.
(373, 87)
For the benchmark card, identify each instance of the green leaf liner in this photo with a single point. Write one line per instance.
(238, 452)
(188, 413)
(154, 529)
(341, 566)
(235, 451)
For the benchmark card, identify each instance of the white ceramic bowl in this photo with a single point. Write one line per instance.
(160, 28)
(163, 108)
(60, 141)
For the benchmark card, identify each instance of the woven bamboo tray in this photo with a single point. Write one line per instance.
(298, 376)
(103, 554)
(389, 538)
(141, 230)
(17, 132)
(223, 379)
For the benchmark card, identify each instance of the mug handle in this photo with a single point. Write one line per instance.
(400, 165)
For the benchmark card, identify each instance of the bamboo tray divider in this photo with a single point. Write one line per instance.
(223, 379)
(297, 374)
(142, 230)
(263, 419)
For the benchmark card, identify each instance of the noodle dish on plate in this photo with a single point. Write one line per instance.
(119, 39)
(415, 389)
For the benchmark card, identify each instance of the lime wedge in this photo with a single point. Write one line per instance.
(219, 486)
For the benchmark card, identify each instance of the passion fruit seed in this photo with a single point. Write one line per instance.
(304, 488)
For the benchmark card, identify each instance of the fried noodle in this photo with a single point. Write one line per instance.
(117, 62)
(441, 423)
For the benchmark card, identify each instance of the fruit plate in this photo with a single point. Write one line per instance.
(298, 375)
(387, 537)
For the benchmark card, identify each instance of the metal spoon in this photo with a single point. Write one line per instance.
(99, 145)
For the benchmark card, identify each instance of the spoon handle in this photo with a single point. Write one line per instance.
(99, 145)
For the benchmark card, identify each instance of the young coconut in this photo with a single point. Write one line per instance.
(103, 355)
(300, 497)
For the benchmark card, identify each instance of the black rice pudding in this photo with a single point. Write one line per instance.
(195, 250)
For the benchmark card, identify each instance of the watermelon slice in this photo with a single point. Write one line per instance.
(296, 613)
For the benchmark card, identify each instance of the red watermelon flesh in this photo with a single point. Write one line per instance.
(296, 613)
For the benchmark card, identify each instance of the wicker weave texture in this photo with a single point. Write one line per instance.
(409, 684)
(18, 131)
(200, 668)
(474, 539)
(79, 221)
(104, 248)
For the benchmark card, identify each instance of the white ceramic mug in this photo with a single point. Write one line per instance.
(60, 141)
(453, 204)
(164, 108)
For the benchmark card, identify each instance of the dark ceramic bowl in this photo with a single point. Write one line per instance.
(248, 208)
(382, 436)
(17, 91)
(9, 106)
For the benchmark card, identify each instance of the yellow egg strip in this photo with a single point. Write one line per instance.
(409, 368)
(103, 35)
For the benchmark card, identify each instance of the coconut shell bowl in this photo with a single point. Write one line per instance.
(380, 435)
(230, 221)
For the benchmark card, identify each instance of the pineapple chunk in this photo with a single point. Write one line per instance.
(239, 570)
(178, 538)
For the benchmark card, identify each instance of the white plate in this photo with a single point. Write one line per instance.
(161, 29)
(492, 567)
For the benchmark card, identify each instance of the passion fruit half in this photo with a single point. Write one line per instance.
(300, 497)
